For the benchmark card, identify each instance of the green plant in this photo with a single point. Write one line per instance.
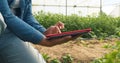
(107, 46)
(112, 57)
(46, 57)
(55, 61)
(67, 59)
(117, 31)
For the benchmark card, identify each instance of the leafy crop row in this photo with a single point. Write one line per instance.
(64, 59)
(102, 26)
(112, 57)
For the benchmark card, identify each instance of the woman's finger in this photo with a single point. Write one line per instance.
(60, 25)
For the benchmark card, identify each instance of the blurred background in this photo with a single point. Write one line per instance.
(101, 45)
(79, 7)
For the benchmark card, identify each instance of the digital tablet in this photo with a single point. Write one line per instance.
(69, 33)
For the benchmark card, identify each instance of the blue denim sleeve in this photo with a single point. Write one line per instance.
(29, 18)
(23, 30)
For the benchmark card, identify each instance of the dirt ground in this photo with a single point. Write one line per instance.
(81, 50)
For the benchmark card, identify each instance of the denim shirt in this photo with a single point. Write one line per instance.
(25, 26)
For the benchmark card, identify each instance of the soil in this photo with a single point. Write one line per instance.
(81, 50)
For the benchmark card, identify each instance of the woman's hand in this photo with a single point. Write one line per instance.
(53, 42)
(55, 28)
(52, 30)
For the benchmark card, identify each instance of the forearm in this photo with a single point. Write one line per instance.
(32, 21)
(23, 30)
